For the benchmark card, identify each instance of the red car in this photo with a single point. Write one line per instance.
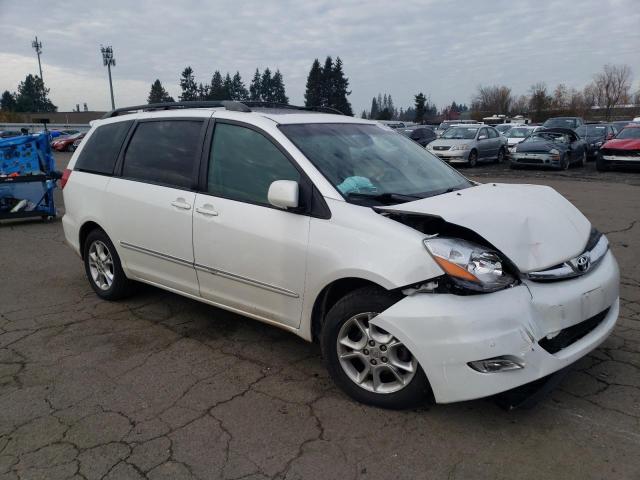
(621, 151)
(65, 144)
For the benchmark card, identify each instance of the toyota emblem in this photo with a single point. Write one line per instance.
(583, 263)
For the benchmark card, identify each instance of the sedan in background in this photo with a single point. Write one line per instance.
(595, 134)
(421, 134)
(503, 128)
(65, 144)
(622, 151)
(620, 124)
(470, 144)
(563, 122)
(552, 147)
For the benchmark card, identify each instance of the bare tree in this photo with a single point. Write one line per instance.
(539, 100)
(520, 105)
(560, 97)
(612, 87)
(495, 99)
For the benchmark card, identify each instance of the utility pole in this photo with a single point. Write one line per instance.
(108, 61)
(38, 48)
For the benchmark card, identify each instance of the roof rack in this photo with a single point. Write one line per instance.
(230, 105)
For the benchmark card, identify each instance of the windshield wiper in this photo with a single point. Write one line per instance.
(387, 197)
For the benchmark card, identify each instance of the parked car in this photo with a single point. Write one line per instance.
(395, 124)
(563, 122)
(469, 144)
(620, 124)
(517, 134)
(595, 134)
(413, 279)
(444, 126)
(503, 128)
(65, 144)
(621, 151)
(421, 134)
(550, 147)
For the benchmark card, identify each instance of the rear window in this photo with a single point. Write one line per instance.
(100, 153)
(163, 152)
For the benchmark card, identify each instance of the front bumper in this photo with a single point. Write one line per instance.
(539, 159)
(446, 331)
(452, 156)
(632, 159)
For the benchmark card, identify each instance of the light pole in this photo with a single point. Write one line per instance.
(38, 48)
(108, 60)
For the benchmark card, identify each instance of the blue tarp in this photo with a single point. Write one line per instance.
(27, 176)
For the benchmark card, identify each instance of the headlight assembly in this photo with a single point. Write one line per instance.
(469, 265)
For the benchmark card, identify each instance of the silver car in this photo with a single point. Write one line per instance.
(469, 144)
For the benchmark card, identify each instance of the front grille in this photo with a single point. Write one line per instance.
(620, 153)
(439, 147)
(572, 334)
(530, 160)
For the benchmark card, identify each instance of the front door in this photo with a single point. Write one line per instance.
(151, 203)
(249, 256)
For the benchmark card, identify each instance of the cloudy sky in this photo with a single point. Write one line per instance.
(443, 48)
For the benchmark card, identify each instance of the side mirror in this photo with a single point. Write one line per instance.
(284, 194)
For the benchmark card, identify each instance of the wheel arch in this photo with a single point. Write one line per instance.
(86, 228)
(328, 297)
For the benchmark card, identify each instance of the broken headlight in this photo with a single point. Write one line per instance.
(469, 265)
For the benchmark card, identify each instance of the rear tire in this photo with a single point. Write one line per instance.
(103, 268)
(500, 158)
(362, 358)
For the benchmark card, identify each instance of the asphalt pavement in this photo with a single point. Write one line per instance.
(163, 387)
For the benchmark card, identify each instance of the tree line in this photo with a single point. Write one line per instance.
(609, 88)
(31, 96)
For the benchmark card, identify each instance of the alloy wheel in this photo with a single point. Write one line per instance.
(372, 358)
(101, 265)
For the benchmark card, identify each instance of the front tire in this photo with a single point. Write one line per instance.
(601, 165)
(473, 158)
(103, 268)
(500, 157)
(366, 362)
(564, 162)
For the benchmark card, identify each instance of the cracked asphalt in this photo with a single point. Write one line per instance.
(162, 387)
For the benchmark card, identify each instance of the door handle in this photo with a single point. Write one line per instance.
(207, 209)
(181, 203)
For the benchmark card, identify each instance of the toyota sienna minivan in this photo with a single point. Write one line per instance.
(415, 281)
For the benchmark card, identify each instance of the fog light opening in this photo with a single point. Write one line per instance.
(497, 364)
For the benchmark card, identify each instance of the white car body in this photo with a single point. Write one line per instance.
(273, 265)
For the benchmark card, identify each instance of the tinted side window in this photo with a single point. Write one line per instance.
(244, 163)
(163, 152)
(100, 153)
(483, 132)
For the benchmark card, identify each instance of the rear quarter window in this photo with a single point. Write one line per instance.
(100, 153)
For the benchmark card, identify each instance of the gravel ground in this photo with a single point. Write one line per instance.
(162, 387)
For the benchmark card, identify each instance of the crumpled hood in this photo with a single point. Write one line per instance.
(534, 226)
(540, 146)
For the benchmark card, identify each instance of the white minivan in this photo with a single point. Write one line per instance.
(415, 281)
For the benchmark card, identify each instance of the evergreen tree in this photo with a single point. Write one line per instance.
(8, 101)
(255, 89)
(420, 101)
(340, 87)
(279, 94)
(375, 109)
(227, 87)
(363, 114)
(313, 93)
(203, 92)
(238, 90)
(327, 90)
(188, 85)
(158, 94)
(32, 96)
(266, 86)
(216, 90)
(381, 106)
